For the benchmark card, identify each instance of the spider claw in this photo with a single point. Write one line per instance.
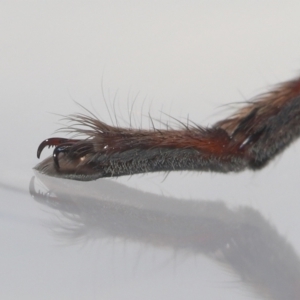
(55, 156)
(41, 147)
(63, 148)
(50, 143)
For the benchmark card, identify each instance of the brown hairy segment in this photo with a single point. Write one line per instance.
(247, 140)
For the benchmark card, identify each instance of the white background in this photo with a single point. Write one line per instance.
(183, 58)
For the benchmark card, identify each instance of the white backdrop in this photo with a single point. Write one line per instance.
(177, 57)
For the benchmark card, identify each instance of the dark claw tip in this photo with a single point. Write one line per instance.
(64, 148)
(41, 147)
(56, 151)
(49, 142)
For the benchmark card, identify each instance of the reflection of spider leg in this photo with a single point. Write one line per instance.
(240, 239)
(248, 139)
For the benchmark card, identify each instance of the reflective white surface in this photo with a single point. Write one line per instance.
(192, 235)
